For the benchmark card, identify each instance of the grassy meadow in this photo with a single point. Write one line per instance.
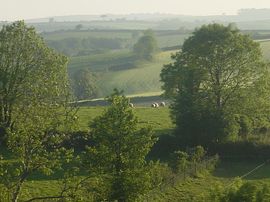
(123, 71)
(157, 118)
(191, 189)
(265, 45)
(120, 69)
(164, 38)
(144, 77)
(101, 62)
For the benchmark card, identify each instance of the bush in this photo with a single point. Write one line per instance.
(239, 191)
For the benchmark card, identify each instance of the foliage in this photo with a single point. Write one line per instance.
(218, 75)
(120, 149)
(35, 115)
(174, 188)
(84, 84)
(32, 76)
(193, 162)
(180, 161)
(36, 142)
(160, 174)
(146, 46)
(78, 27)
(240, 191)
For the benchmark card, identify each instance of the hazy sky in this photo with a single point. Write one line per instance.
(26, 9)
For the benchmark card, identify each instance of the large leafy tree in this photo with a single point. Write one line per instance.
(218, 74)
(119, 150)
(84, 84)
(35, 116)
(31, 75)
(146, 46)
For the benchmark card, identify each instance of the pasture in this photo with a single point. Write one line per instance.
(141, 79)
(123, 71)
(165, 38)
(101, 62)
(156, 118)
(265, 45)
(191, 189)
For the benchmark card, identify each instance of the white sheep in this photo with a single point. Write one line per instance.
(162, 104)
(155, 105)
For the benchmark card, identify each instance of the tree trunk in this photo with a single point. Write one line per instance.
(18, 188)
(16, 193)
(3, 134)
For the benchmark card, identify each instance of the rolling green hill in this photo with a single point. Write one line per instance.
(165, 38)
(101, 62)
(265, 45)
(143, 78)
(121, 69)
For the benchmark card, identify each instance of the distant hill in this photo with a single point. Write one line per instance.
(120, 70)
(245, 19)
(243, 15)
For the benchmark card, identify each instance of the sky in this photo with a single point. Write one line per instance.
(29, 9)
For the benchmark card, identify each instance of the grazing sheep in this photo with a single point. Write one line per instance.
(131, 105)
(155, 105)
(162, 104)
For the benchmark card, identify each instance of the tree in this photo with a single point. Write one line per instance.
(119, 150)
(179, 162)
(31, 75)
(78, 27)
(146, 46)
(37, 144)
(84, 84)
(219, 73)
(35, 116)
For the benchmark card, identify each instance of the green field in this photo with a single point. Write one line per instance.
(191, 189)
(144, 78)
(157, 118)
(93, 25)
(171, 40)
(164, 38)
(101, 62)
(121, 70)
(265, 45)
(85, 34)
